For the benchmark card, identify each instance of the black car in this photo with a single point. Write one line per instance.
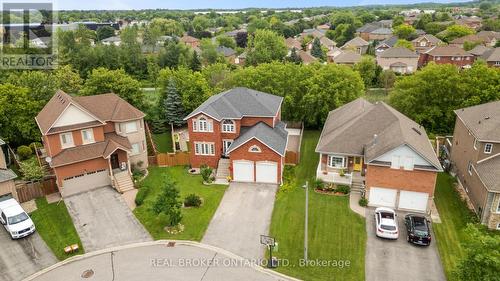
(418, 230)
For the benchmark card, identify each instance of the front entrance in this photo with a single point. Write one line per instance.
(225, 146)
(115, 163)
(358, 164)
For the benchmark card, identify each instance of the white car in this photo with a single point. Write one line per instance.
(15, 220)
(386, 223)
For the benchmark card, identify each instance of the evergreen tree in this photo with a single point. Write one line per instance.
(195, 64)
(172, 102)
(316, 50)
(294, 57)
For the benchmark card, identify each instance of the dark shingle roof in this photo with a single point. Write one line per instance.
(275, 138)
(391, 41)
(225, 51)
(488, 171)
(482, 120)
(239, 102)
(491, 55)
(7, 175)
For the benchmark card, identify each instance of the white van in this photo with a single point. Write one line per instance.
(15, 220)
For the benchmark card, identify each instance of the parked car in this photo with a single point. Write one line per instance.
(386, 221)
(15, 220)
(418, 230)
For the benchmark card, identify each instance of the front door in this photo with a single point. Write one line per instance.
(225, 145)
(115, 164)
(358, 164)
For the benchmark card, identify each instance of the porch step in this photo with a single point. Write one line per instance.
(223, 169)
(123, 182)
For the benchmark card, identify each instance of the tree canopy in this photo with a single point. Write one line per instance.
(265, 46)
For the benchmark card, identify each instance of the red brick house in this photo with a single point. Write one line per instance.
(240, 133)
(374, 148)
(447, 54)
(92, 141)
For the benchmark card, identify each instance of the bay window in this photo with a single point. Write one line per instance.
(336, 161)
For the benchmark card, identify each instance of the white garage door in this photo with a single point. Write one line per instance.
(266, 172)
(416, 201)
(243, 170)
(382, 197)
(85, 182)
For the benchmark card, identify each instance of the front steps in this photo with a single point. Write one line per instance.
(222, 171)
(123, 182)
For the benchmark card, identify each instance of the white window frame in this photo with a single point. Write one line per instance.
(409, 163)
(228, 128)
(469, 168)
(69, 138)
(331, 164)
(138, 150)
(91, 134)
(204, 148)
(202, 124)
(129, 130)
(396, 162)
(486, 146)
(423, 43)
(497, 63)
(251, 149)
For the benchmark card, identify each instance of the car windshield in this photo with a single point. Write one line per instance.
(420, 225)
(387, 227)
(18, 218)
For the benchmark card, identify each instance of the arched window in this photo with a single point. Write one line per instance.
(255, 149)
(202, 124)
(228, 126)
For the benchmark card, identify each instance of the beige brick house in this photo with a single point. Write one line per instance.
(475, 157)
(398, 59)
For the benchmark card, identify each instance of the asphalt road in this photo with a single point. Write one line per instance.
(394, 260)
(23, 257)
(244, 214)
(103, 219)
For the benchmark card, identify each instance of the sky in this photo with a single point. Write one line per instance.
(218, 4)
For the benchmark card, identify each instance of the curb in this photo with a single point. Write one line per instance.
(153, 243)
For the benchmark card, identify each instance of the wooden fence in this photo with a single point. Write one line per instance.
(291, 158)
(27, 191)
(172, 159)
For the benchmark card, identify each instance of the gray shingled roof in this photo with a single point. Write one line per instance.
(479, 50)
(347, 57)
(7, 175)
(488, 172)
(239, 102)
(482, 120)
(276, 138)
(398, 52)
(356, 41)
(351, 128)
(382, 30)
(225, 51)
(391, 41)
(491, 55)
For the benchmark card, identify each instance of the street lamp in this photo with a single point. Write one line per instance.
(306, 188)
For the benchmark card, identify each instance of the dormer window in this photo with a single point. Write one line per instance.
(228, 126)
(488, 148)
(255, 149)
(66, 140)
(88, 136)
(202, 125)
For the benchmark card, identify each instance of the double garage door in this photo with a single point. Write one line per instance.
(408, 200)
(260, 171)
(85, 182)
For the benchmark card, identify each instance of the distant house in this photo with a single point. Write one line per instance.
(425, 42)
(386, 44)
(475, 158)
(447, 54)
(474, 38)
(306, 57)
(327, 43)
(7, 176)
(113, 40)
(333, 53)
(479, 50)
(380, 34)
(398, 59)
(234, 33)
(241, 59)
(190, 41)
(492, 57)
(315, 33)
(357, 44)
(347, 58)
(228, 53)
(293, 43)
(471, 22)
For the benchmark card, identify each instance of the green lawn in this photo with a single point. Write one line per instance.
(55, 226)
(163, 142)
(335, 232)
(376, 94)
(195, 220)
(454, 216)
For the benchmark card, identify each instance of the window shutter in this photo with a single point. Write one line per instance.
(194, 126)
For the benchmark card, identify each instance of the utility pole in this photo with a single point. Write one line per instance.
(306, 187)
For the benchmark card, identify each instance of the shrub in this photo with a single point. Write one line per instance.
(31, 170)
(341, 173)
(318, 184)
(343, 189)
(141, 195)
(24, 152)
(192, 200)
(363, 202)
(35, 145)
(206, 172)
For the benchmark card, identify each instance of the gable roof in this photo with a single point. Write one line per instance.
(491, 55)
(352, 129)
(369, 27)
(225, 51)
(491, 34)
(447, 51)
(239, 102)
(293, 43)
(382, 31)
(482, 120)
(479, 50)
(7, 175)
(398, 52)
(357, 42)
(306, 57)
(488, 172)
(347, 57)
(470, 38)
(105, 107)
(189, 39)
(327, 42)
(429, 37)
(274, 138)
(391, 41)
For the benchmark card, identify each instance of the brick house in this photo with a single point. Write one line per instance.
(7, 176)
(398, 59)
(447, 54)
(92, 141)
(492, 57)
(475, 158)
(357, 44)
(240, 133)
(190, 41)
(425, 42)
(374, 148)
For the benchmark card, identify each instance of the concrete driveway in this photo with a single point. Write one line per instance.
(399, 260)
(103, 220)
(244, 214)
(23, 257)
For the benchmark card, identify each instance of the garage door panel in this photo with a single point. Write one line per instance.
(85, 182)
(266, 172)
(384, 197)
(416, 201)
(243, 171)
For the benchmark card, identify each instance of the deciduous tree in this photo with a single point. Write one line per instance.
(265, 46)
